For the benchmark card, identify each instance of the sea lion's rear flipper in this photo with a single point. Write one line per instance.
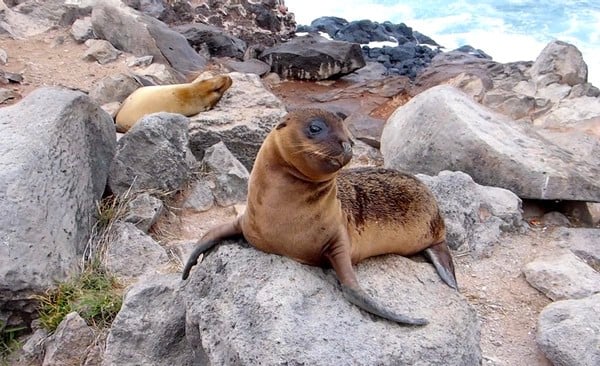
(360, 298)
(439, 255)
(209, 240)
(340, 260)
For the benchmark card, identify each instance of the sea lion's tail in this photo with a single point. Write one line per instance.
(209, 240)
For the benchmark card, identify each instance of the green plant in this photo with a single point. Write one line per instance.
(8, 340)
(95, 294)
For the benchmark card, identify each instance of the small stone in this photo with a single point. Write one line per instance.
(562, 277)
(3, 57)
(101, 51)
(143, 211)
(7, 94)
(556, 219)
(200, 198)
(81, 30)
(140, 61)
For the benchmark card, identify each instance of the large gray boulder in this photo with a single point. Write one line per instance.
(475, 215)
(242, 119)
(559, 62)
(313, 58)
(55, 152)
(444, 129)
(246, 307)
(142, 35)
(150, 327)
(152, 155)
(568, 332)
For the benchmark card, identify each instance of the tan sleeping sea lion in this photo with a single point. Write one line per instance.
(303, 206)
(187, 99)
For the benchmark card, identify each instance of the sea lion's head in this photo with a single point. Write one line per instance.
(211, 90)
(315, 142)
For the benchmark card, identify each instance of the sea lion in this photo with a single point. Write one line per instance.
(302, 205)
(187, 99)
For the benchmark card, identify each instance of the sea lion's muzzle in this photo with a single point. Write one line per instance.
(346, 155)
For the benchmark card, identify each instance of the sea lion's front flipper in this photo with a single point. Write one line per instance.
(209, 240)
(440, 257)
(342, 264)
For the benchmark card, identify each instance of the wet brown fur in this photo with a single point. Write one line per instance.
(187, 99)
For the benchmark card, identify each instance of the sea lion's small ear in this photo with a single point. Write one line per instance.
(280, 126)
(341, 115)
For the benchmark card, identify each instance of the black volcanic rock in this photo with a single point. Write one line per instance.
(218, 42)
(329, 25)
(408, 55)
(473, 52)
(313, 58)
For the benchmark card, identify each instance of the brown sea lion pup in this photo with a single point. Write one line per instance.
(303, 206)
(187, 99)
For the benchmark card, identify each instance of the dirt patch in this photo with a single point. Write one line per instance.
(53, 59)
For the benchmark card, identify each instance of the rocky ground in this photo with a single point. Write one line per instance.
(494, 284)
(508, 307)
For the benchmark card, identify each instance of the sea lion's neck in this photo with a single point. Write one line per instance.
(276, 158)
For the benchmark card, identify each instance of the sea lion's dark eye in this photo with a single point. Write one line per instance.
(316, 127)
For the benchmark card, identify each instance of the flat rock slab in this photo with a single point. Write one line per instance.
(246, 307)
(584, 243)
(563, 277)
(569, 332)
(444, 129)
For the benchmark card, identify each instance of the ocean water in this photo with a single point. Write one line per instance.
(510, 30)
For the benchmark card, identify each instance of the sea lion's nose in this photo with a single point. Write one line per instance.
(347, 146)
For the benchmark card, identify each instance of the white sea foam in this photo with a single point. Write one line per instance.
(507, 30)
(381, 44)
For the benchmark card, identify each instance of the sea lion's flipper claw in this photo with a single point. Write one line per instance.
(360, 298)
(440, 257)
(209, 240)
